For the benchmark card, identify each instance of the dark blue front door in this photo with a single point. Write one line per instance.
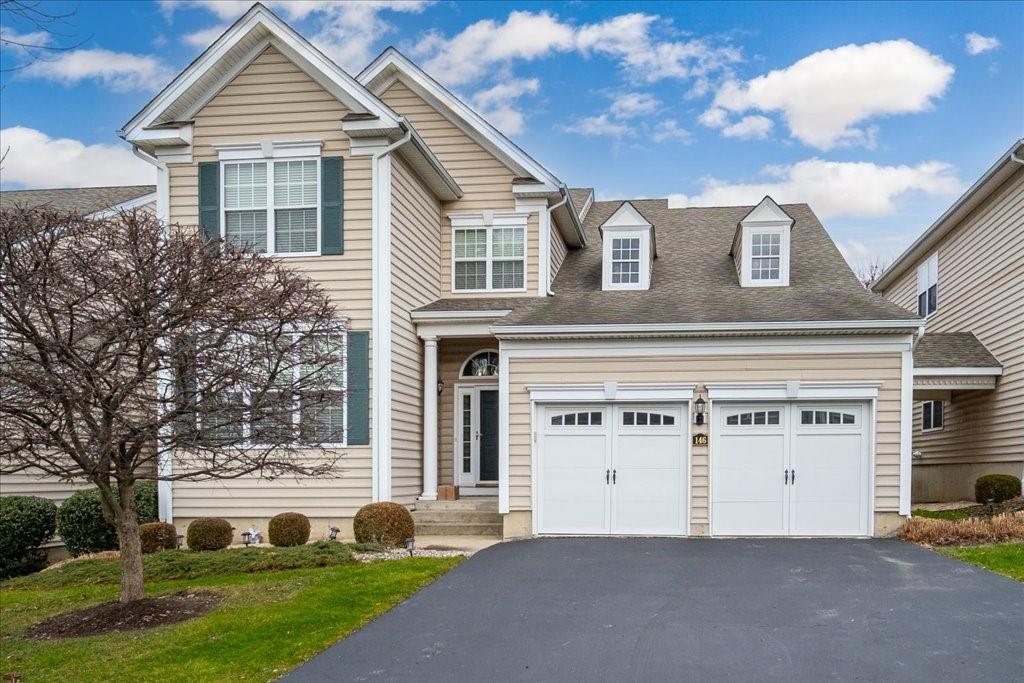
(488, 435)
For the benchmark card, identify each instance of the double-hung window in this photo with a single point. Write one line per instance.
(765, 256)
(928, 286)
(626, 260)
(488, 258)
(931, 416)
(272, 207)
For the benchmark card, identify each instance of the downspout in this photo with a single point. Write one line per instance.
(164, 377)
(547, 237)
(380, 219)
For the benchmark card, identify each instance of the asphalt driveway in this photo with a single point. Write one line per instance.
(689, 609)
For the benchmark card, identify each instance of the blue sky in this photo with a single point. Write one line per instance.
(877, 114)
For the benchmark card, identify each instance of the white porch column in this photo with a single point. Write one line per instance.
(429, 419)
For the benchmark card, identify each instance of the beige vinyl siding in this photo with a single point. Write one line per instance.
(415, 262)
(452, 353)
(981, 290)
(699, 370)
(558, 252)
(272, 99)
(485, 181)
(28, 484)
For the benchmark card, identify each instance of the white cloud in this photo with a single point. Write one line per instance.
(497, 104)
(205, 36)
(714, 117)
(36, 160)
(346, 31)
(633, 104)
(976, 44)
(832, 188)
(749, 127)
(669, 129)
(599, 126)
(12, 39)
(824, 95)
(629, 39)
(118, 71)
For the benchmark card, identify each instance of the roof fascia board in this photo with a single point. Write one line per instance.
(708, 327)
(995, 176)
(452, 316)
(461, 115)
(348, 90)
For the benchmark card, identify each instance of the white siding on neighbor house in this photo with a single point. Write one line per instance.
(415, 263)
(272, 99)
(981, 290)
(485, 181)
(700, 370)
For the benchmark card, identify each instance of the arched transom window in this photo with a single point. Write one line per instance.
(482, 364)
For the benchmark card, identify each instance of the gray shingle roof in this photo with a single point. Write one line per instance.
(78, 199)
(579, 196)
(477, 304)
(953, 350)
(694, 278)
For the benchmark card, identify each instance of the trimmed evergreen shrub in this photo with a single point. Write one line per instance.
(158, 536)
(388, 524)
(83, 528)
(209, 533)
(997, 487)
(26, 522)
(288, 528)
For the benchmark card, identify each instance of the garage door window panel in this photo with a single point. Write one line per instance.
(754, 418)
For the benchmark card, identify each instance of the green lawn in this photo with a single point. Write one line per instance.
(953, 515)
(267, 623)
(1006, 558)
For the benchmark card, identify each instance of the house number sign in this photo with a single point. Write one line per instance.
(700, 439)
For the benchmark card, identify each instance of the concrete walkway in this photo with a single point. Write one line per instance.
(694, 609)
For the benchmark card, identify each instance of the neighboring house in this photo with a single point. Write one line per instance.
(966, 275)
(96, 202)
(576, 366)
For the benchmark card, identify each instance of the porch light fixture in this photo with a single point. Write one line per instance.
(410, 545)
(440, 386)
(334, 533)
(699, 406)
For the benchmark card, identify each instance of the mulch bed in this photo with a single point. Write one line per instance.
(110, 617)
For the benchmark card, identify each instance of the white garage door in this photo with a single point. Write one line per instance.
(612, 470)
(790, 469)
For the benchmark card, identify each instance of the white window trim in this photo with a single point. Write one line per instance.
(489, 220)
(783, 231)
(612, 233)
(270, 207)
(925, 406)
(928, 277)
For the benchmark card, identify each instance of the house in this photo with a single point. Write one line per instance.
(95, 202)
(965, 274)
(574, 366)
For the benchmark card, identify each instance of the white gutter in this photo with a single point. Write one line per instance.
(547, 239)
(380, 229)
(704, 327)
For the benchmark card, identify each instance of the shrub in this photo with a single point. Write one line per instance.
(26, 522)
(158, 536)
(83, 528)
(975, 530)
(388, 524)
(288, 528)
(998, 487)
(209, 533)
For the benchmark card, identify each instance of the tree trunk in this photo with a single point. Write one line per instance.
(131, 545)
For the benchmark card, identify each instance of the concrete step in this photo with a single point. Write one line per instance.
(484, 504)
(456, 516)
(458, 529)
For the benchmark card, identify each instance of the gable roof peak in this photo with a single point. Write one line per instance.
(767, 211)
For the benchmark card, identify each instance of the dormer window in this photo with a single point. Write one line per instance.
(628, 250)
(761, 246)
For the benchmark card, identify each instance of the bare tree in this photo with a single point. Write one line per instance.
(124, 341)
(868, 272)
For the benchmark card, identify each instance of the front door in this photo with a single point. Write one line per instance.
(476, 432)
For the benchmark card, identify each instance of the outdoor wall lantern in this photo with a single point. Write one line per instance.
(699, 406)
(334, 533)
(440, 386)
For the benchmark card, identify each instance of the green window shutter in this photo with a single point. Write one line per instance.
(209, 199)
(358, 388)
(332, 230)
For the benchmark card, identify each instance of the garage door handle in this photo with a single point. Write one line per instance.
(613, 476)
(606, 475)
(786, 480)
(792, 476)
